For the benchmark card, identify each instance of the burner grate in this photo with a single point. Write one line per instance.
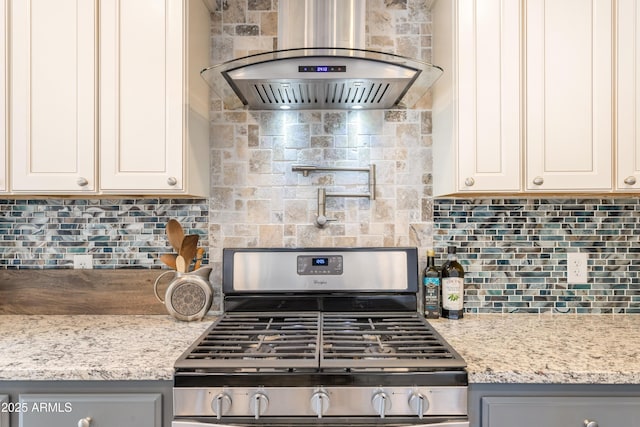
(383, 340)
(241, 340)
(318, 341)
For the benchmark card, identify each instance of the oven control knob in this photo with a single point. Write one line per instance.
(418, 404)
(381, 403)
(259, 403)
(320, 403)
(221, 404)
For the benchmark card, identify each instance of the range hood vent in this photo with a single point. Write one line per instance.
(318, 78)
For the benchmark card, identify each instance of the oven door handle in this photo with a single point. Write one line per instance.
(200, 424)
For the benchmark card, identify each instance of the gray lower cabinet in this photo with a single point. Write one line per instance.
(554, 405)
(499, 411)
(107, 402)
(4, 410)
(89, 410)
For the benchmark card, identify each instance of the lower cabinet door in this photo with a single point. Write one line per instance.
(90, 410)
(560, 411)
(4, 410)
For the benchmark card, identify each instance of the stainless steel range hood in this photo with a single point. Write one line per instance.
(320, 64)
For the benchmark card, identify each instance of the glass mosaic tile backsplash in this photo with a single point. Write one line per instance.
(515, 253)
(129, 233)
(514, 250)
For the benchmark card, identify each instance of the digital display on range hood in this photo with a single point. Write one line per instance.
(322, 68)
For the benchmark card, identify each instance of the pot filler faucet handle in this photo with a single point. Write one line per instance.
(321, 219)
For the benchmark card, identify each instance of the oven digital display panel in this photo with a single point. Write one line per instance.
(322, 68)
(309, 265)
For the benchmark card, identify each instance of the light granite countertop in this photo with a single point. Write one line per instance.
(102, 347)
(547, 349)
(516, 348)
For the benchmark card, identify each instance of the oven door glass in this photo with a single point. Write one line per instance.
(201, 424)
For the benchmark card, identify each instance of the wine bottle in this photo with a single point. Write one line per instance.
(431, 287)
(452, 275)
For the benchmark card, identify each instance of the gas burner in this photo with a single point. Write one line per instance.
(261, 348)
(379, 351)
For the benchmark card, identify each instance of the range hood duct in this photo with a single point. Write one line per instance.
(321, 64)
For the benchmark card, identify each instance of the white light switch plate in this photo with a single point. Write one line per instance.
(577, 271)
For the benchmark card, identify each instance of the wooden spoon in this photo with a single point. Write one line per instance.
(169, 260)
(175, 234)
(199, 255)
(181, 266)
(189, 248)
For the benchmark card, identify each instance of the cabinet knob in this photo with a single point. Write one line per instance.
(589, 423)
(538, 180)
(82, 181)
(172, 180)
(630, 180)
(86, 422)
(469, 182)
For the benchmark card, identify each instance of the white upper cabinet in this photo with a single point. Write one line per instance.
(53, 96)
(526, 103)
(628, 95)
(569, 97)
(137, 124)
(153, 113)
(476, 103)
(4, 36)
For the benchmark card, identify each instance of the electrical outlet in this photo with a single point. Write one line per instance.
(83, 262)
(577, 271)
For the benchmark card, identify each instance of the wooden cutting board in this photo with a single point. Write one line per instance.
(56, 291)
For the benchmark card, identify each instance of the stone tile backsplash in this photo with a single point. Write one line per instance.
(258, 200)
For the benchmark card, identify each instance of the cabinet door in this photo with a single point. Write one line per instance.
(4, 411)
(53, 95)
(104, 410)
(141, 95)
(3, 95)
(477, 126)
(628, 95)
(488, 75)
(569, 94)
(560, 411)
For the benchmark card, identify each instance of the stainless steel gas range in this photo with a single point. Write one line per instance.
(320, 337)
